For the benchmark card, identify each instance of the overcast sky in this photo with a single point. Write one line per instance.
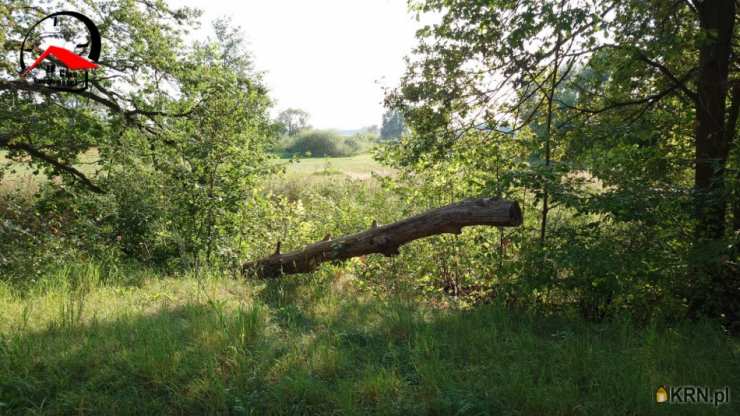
(328, 57)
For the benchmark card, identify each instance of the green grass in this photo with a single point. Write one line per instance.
(17, 176)
(355, 167)
(83, 341)
(306, 172)
(21, 177)
(317, 174)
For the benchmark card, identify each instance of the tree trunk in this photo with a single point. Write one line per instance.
(736, 207)
(734, 154)
(388, 238)
(717, 20)
(548, 138)
(712, 138)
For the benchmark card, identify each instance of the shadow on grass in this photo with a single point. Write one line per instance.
(296, 352)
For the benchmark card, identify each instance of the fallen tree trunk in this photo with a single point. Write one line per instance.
(388, 238)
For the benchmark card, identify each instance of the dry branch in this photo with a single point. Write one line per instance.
(388, 238)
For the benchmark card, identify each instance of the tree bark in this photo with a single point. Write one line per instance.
(387, 239)
(717, 19)
(734, 153)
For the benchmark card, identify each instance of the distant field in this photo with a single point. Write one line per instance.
(18, 176)
(355, 167)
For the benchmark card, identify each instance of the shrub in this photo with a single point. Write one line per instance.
(327, 143)
(319, 143)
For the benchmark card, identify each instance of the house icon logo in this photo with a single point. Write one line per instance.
(60, 50)
(661, 394)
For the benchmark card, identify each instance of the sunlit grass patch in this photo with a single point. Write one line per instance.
(358, 167)
(20, 177)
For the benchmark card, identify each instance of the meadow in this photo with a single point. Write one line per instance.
(21, 177)
(362, 166)
(133, 208)
(91, 338)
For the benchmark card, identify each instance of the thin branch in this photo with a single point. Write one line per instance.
(668, 74)
(26, 86)
(619, 104)
(54, 162)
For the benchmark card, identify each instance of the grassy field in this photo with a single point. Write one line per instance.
(88, 341)
(355, 167)
(317, 173)
(84, 339)
(312, 170)
(19, 176)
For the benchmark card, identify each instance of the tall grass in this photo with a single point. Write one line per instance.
(83, 342)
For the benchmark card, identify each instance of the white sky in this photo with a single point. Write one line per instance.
(330, 58)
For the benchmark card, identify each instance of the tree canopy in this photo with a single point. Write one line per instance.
(643, 95)
(183, 121)
(293, 120)
(392, 127)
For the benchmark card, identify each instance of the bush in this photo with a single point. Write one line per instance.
(319, 143)
(327, 143)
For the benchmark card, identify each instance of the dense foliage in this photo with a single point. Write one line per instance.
(326, 143)
(171, 138)
(592, 114)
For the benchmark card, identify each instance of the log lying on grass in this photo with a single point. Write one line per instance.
(388, 238)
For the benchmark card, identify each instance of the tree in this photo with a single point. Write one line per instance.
(293, 121)
(393, 125)
(126, 106)
(661, 66)
(191, 120)
(715, 126)
(318, 143)
(210, 172)
(640, 37)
